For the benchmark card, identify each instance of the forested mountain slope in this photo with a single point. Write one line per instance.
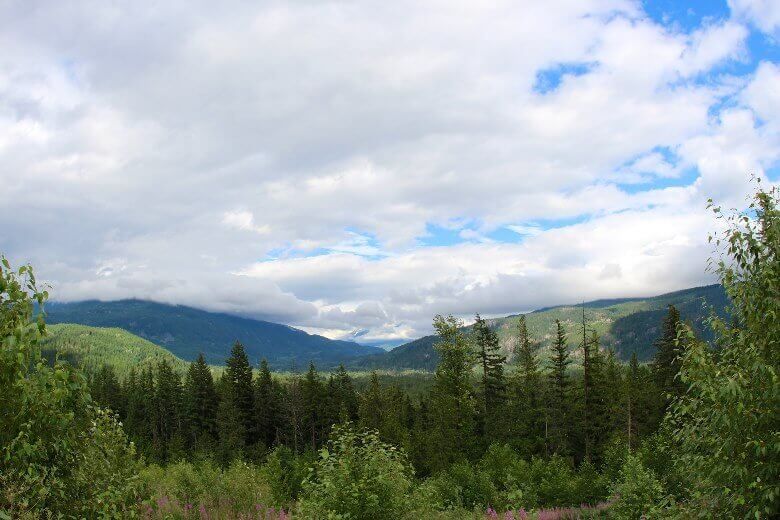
(626, 325)
(92, 347)
(186, 332)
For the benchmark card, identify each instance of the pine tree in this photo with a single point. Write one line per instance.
(201, 403)
(342, 398)
(240, 391)
(453, 407)
(527, 418)
(312, 394)
(106, 390)
(633, 390)
(493, 388)
(168, 404)
(667, 361)
(559, 406)
(267, 407)
(600, 426)
(588, 405)
(372, 405)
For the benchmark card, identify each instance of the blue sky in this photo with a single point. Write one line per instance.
(356, 168)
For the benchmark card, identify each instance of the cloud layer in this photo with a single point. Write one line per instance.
(347, 167)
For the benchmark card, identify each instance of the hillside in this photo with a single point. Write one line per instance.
(92, 347)
(626, 325)
(186, 331)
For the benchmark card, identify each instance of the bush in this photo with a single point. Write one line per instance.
(461, 486)
(61, 455)
(636, 491)
(357, 477)
(285, 472)
(240, 488)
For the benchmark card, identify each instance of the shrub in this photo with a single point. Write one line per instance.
(240, 488)
(60, 455)
(636, 490)
(357, 477)
(285, 472)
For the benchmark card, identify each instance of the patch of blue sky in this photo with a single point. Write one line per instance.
(436, 235)
(686, 16)
(549, 79)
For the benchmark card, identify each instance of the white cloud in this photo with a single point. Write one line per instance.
(156, 152)
(765, 14)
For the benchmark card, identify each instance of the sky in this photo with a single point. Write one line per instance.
(354, 168)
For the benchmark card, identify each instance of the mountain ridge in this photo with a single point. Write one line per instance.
(187, 331)
(625, 324)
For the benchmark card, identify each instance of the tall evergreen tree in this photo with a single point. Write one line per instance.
(201, 403)
(371, 404)
(667, 361)
(239, 390)
(559, 405)
(526, 417)
(106, 390)
(633, 391)
(453, 407)
(267, 407)
(587, 388)
(168, 405)
(493, 387)
(313, 401)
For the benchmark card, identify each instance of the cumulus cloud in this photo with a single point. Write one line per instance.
(360, 167)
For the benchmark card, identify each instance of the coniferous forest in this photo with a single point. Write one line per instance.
(695, 433)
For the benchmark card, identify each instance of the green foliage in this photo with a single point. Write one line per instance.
(626, 326)
(724, 429)
(357, 477)
(637, 490)
(60, 455)
(453, 410)
(559, 409)
(285, 473)
(233, 490)
(92, 348)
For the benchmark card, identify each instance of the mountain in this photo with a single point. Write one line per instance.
(185, 331)
(627, 325)
(92, 347)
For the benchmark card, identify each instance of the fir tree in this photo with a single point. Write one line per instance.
(527, 418)
(168, 404)
(559, 407)
(267, 407)
(371, 405)
(201, 403)
(238, 380)
(453, 407)
(312, 394)
(667, 361)
(106, 390)
(493, 388)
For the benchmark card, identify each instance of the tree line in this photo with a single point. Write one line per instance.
(539, 407)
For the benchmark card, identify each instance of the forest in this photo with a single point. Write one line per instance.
(694, 433)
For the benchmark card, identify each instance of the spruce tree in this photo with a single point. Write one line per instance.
(453, 406)
(106, 390)
(201, 403)
(240, 391)
(559, 406)
(667, 361)
(168, 405)
(493, 388)
(267, 407)
(633, 391)
(372, 405)
(527, 417)
(312, 394)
